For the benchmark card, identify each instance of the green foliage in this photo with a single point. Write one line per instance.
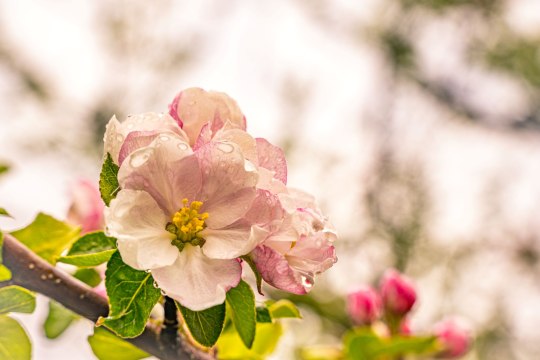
(90, 250)
(283, 309)
(107, 346)
(205, 326)
(47, 236)
(4, 168)
(263, 315)
(88, 276)
(5, 273)
(231, 346)
(364, 344)
(14, 343)
(241, 301)
(58, 320)
(258, 277)
(321, 352)
(16, 299)
(108, 181)
(4, 212)
(132, 296)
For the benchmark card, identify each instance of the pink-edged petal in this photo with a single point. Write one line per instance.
(134, 141)
(272, 158)
(137, 222)
(228, 183)
(275, 270)
(86, 207)
(166, 169)
(173, 110)
(265, 209)
(232, 242)
(226, 209)
(196, 281)
(242, 139)
(312, 255)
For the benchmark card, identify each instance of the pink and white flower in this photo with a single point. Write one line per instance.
(195, 108)
(86, 209)
(398, 293)
(454, 337)
(298, 246)
(181, 214)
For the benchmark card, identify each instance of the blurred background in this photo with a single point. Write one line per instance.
(416, 123)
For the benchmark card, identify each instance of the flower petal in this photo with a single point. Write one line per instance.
(226, 209)
(275, 270)
(138, 224)
(272, 158)
(232, 242)
(196, 281)
(166, 169)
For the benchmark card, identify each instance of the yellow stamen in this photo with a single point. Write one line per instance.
(188, 222)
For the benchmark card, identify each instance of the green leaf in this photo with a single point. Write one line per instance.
(205, 326)
(321, 352)
(283, 309)
(4, 212)
(47, 236)
(363, 343)
(14, 343)
(244, 317)
(58, 320)
(263, 315)
(5, 273)
(107, 346)
(258, 277)
(231, 347)
(88, 276)
(16, 299)
(108, 180)
(92, 249)
(132, 296)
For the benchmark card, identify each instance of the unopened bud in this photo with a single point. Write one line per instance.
(364, 306)
(455, 338)
(397, 293)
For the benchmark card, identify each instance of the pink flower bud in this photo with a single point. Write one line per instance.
(364, 306)
(86, 208)
(397, 293)
(455, 338)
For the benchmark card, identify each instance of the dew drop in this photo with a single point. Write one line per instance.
(306, 282)
(225, 148)
(57, 281)
(164, 138)
(163, 292)
(43, 277)
(31, 266)
(140, 157)
(156, 285)
(81, 296)
(50, 276)
(183, 146)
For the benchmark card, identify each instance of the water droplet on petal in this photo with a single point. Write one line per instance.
(155, 285)
(225, 148)
(306, 282)
(140, 157)
(163, 293)
(183, 146)
(164, 138)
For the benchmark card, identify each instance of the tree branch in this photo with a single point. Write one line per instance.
(35, 274)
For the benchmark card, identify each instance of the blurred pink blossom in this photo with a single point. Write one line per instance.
(86, 209)
(455, 338)
(364, 306)
(397, 292)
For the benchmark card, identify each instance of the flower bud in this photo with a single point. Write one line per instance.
(364, 306)
(86, 209)
(455, 338)
(397, 293)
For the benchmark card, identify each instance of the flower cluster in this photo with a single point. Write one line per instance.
(393, 304)
(199, 195)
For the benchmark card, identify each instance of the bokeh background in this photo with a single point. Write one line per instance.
(416, 123)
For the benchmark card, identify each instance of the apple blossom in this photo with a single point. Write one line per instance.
(298, 246)
(194, 108)
(397, 293)
(86, 207)
(454, 338)
(364, 306)
(180, 215)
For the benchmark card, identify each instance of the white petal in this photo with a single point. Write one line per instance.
(224, 210)
(233, 242)
(113, 138)
(138, 224)
(165, 169)
(196, 281)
